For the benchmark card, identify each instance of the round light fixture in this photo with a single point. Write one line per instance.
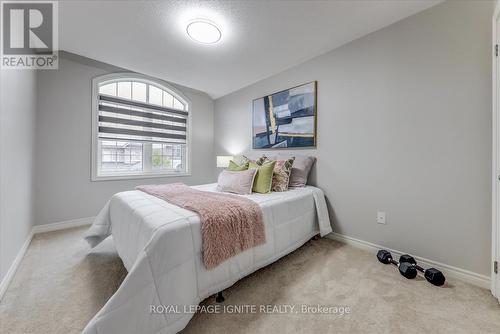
(203, 31)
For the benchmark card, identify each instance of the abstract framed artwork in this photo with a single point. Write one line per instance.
(285, 119)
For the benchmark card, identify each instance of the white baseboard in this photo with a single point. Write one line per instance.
(62, 225)
(34, 230)
(15, 264)
(476, 279)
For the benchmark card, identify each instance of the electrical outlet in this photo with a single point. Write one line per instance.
(381, 217)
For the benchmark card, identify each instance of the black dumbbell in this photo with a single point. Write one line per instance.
(432, 275)
(405, 269)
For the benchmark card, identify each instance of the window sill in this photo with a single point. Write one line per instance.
(137, 176)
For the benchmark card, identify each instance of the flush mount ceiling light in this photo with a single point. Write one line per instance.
(203, 31)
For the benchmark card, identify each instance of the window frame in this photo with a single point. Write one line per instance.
(96, 159)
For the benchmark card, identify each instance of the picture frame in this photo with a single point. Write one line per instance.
(286, 119)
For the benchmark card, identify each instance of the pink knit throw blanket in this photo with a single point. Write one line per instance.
(230, 224)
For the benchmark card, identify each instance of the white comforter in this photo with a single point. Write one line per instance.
(160, 245)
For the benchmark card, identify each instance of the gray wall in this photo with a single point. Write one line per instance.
(64, 190)
(17, 127)
(404, 126)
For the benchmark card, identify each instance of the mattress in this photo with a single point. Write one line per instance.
(160, 245)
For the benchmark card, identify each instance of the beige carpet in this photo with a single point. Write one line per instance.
(61, 284)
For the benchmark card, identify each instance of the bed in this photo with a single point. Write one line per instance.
(160, 245)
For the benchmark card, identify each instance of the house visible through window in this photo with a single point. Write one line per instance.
(141, 129)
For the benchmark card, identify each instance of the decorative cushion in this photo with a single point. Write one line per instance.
(233, 166)
(281, 174)
(300, 170)
(258, 161)
(238, 182)
(264, 178)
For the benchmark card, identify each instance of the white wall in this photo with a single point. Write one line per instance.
(17, 119)
(64, 190)
(404, 126)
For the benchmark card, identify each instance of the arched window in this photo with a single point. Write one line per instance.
(140, 128)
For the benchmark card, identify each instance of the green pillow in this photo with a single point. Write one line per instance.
(264, 176)
(233, 166)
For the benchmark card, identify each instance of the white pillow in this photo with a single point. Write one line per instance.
(238, 182)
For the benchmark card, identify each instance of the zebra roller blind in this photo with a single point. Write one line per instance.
(151, 115)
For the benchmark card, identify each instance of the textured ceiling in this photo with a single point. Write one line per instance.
(260, 38)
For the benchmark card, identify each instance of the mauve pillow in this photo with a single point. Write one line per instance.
(238, 182)
(300, 171)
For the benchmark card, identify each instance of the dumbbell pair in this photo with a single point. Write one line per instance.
(405, 269)
(408, 267)
(432, 275)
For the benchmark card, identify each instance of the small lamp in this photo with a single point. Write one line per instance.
(223, 160)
